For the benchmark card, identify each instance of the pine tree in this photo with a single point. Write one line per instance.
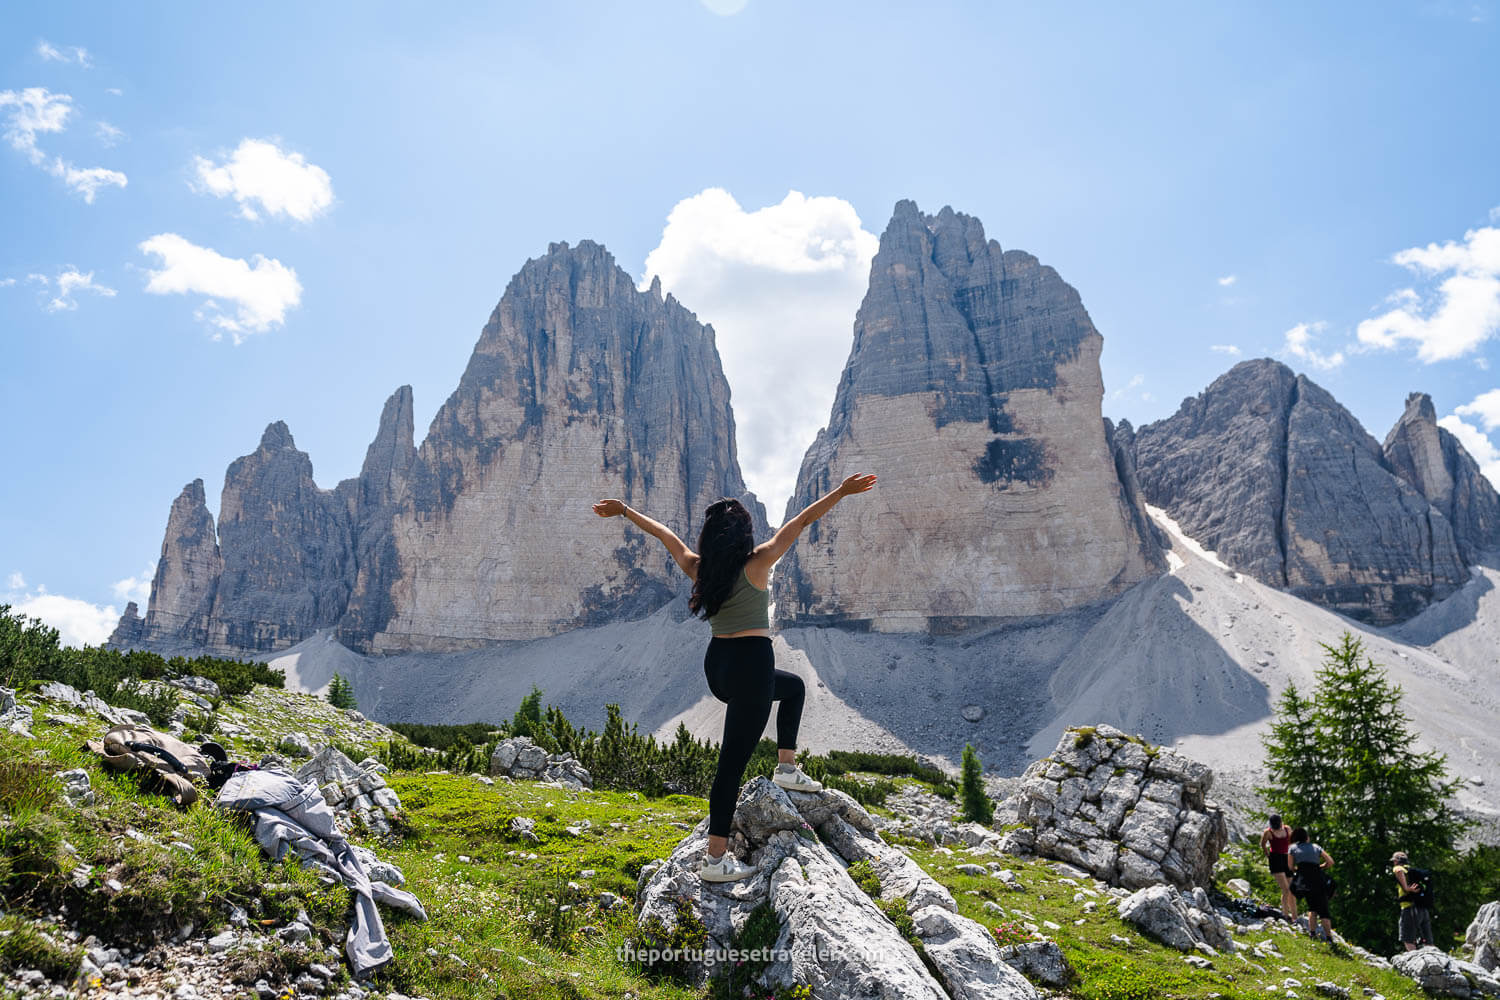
(1294, 759)
(977, 804)
(1346, 766)
(528, 718)
(341, 692)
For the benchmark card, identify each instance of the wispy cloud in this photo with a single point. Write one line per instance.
(260, 290)
(1298, 344)
(107, 133)
(1456, 316)
(135, 588)
(1136, 381)
(1228, 280)
(777, 282)
(37, 111)
(65, 286)
(1230, 349)
(261, 173)
(16, 581)
(75, 54)
(7, 282)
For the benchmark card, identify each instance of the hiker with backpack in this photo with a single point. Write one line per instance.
(1415, 893)
(1311, 881)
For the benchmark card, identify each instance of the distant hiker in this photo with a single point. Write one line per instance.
(1311, 881)
(1275, 842)
(1415, 925)
(731, 576)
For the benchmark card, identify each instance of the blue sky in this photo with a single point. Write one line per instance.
(332, 197)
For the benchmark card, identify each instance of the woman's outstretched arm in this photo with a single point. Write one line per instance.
(685, 557)
(766, 554)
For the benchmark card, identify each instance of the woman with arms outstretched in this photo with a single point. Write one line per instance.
(731, 579)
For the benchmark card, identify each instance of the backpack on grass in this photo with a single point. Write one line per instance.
(163, 763)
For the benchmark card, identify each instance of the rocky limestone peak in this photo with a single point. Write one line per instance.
(288, 565)
(277, 437)
(1267, 469)
(580, 384)
(1433, 461)
(975, 372)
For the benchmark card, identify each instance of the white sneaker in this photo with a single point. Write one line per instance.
(795, 781)
(725, 868)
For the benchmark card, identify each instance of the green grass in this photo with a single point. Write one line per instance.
(507, 917)
(1143, 969)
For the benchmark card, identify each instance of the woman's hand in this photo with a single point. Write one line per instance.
(855, 484)
(609, 508)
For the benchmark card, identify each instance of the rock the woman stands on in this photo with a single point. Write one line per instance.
(731, 579)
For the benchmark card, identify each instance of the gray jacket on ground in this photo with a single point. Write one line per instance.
(290, 815)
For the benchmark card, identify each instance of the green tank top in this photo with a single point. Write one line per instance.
(746, 607)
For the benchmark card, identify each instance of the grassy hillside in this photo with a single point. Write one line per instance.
(508, 917)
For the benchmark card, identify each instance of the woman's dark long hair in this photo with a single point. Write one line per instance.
(724, 545)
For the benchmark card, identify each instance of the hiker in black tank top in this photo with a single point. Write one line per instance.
(731, 588)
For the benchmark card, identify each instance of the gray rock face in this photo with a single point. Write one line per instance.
(1268, 470)
(833, 938)
(1483, 937)
(1431, 460)
(975, 372)
(288, 557)
(1445, 976)
(1175, 919)
(1126, 812)
(579, 386)
(186, 581)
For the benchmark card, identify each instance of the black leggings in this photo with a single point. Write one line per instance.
(742, 673)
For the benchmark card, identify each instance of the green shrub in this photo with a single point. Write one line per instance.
(864, 876)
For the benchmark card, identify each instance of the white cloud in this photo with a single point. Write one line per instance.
(1299, 345)
(78, 622)
(70, 282)
(1477, 444)
(260, 290)
(68, 54)
(282, 183)
(1230, 349)
(781, 282)
(114, 91)
(725, 8)
(86, 181)
(36, 110)
(1486, 407)
(136, 588)
(1136, 381)
(107, 133)
(16, 581)
(1455, 317)
(1228, 280)
(7, 282)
